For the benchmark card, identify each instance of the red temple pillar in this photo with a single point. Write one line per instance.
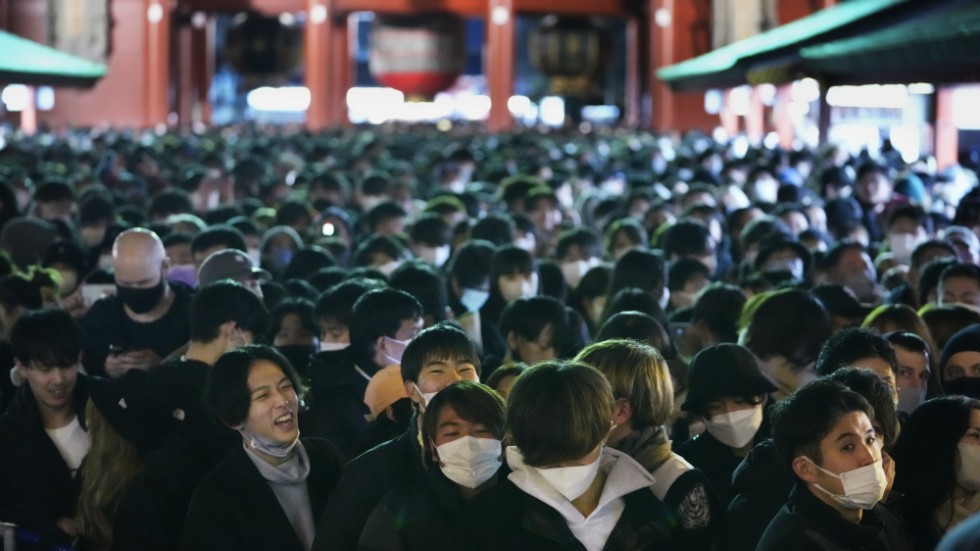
(202, 64)
(660, 14)
(755, 119)
(157, 62)
(782, 118)
(499, 62)
(631, 102)
(341, 70)
(316, 41)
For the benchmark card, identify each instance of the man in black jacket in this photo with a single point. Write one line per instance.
(823, 433)
(436, 358)
(43, 434)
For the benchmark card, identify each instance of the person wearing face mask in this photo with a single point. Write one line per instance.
(513, 275)
(269, 491)
(566, 489)
(293, 332)
(939, 454)
(762, 482)
(577, 252)
(438, 357)
(824, 435)
(429, 239)
(146, 319)
(278, 245)
(908, 227)
(644, 394)
(959, 366)
(461, 434)
(728, 391)
(382, 322)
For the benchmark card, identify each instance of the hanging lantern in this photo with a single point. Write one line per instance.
(417, 55)
(570, 51)
(262, 49)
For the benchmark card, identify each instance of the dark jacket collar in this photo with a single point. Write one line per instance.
(831, 524)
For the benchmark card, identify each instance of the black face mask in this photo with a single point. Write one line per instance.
(967, 386)
(141, 300)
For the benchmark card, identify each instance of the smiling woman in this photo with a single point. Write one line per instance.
(266, 494)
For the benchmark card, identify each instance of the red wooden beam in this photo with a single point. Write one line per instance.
(316, 41)
(660, 18)
(471, 8)
(499, 62)
(156, 21)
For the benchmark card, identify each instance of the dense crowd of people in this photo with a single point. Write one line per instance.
(406, 338)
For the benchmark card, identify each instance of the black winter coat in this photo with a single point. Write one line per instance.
(364, 483)
(234, 508)
(807, 524)
(36, 486)
(761, 485)
(337, 409)
(506, 518)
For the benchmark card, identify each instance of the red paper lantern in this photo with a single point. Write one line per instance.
(418, 55)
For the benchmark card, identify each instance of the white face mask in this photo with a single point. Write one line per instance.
(393, 351)
(737, 428)
(863, 487)
(474, 299)
(791, 265)
(388, 268)
(256, 255)
(902, 245)
(571, 482)
(968, 469)
(333, 346)
(426, 397)
(665, 299)
(910, 398)
(470, 461)
(574, 271)
(511, 289)
(527, 242)
(437, 256)
(682, 299)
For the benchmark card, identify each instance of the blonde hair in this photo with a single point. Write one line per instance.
(637, 372)
(111, 464)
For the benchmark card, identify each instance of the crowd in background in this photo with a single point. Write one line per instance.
(537, 340)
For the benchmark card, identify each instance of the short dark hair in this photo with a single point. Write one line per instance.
(386, 210)
(228, 237)
(845, 347)
(687, 237)
(790, 323)
(808, 415)
(559, 411)
(646, 270)
(384, 244)
(963, 270)
(929, 276)
(226, 391)
(426, 284)
(879, 394)
(528, 316)
(836, 252)
(442, 341)
(46, 337)
(498, 229)
(430, 229)
(470, 400)
(920, 252)
(584, 238)
(380, 312)
(300, 307)
(470, 266)
(719, 306)
(337, 302)
(224, 301)
(682, 270)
